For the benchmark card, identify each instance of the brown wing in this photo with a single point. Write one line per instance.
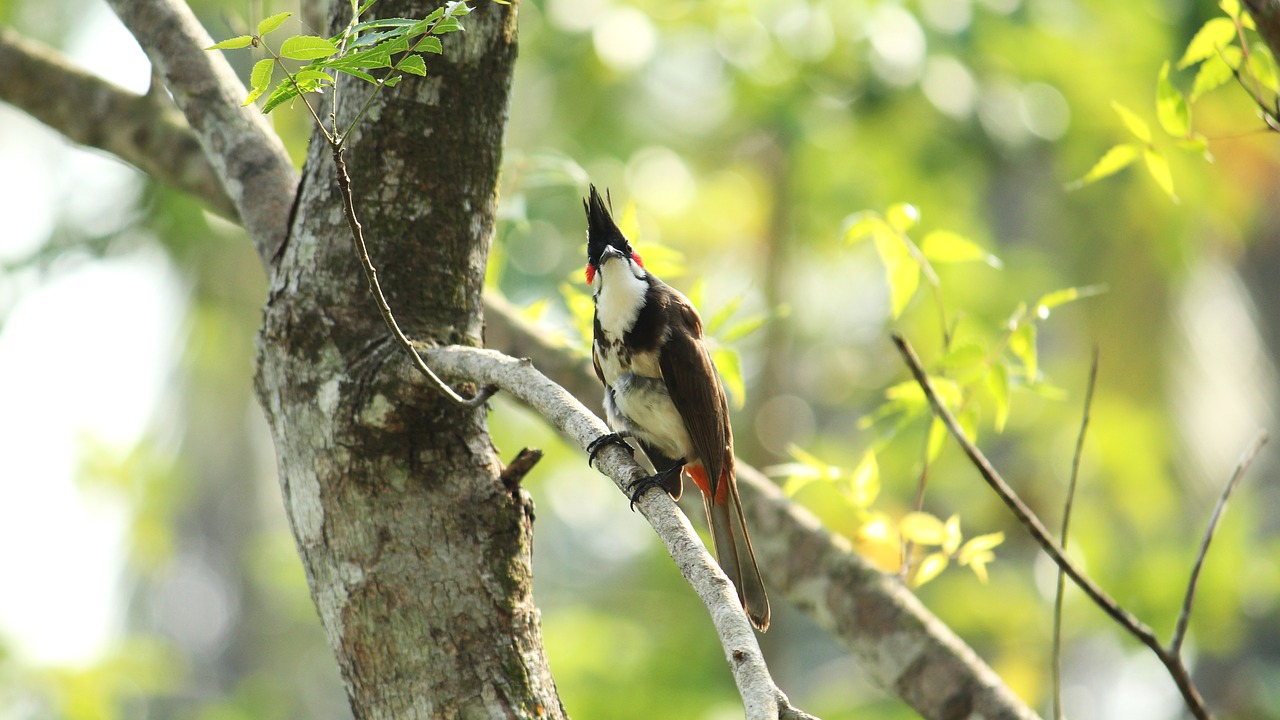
(696, 390)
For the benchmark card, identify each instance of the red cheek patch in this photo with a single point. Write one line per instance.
(636, 257)
(591, 273)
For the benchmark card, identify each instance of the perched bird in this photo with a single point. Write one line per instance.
(661, 389)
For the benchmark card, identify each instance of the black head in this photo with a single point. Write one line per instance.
(602, 231)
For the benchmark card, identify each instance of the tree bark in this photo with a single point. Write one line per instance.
(416, 553)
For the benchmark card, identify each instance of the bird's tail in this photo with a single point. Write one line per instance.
(732, 543)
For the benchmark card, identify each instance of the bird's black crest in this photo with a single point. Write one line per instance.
(601, 229)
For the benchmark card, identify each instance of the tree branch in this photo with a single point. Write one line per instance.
(246, 154)
(903, 647)
(760, 695)
(1169, 657)
(145, 131)
(1184, 617)
(1066, 527)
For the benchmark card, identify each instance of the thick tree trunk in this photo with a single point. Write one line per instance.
(417, 555)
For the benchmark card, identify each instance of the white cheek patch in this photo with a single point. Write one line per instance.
(619, 297)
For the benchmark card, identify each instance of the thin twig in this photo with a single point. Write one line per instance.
(383, 82)
(1066, 524)
(1242, 466)
(1172, 662)
(375, 288)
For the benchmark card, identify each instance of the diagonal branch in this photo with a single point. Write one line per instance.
(760, 695)
(1169, 657)
(246, 154)
(1184, 617)
(1066, 527)
(145, 131)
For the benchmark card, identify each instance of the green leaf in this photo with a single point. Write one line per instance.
(357, 73)
(309, 77)
(395, 22)
(254, 94)
(456, 8)
(283, 93)
(446, 25)
(424, 24)
(1198, 144)
(431, 45)
(922, 528)
(235, 43)
(902, 272)
(721, 316)
(1212, 37)
(864, 483)
(273, 22)
(998, 388)
(727, 362)
(745, 327)
(861, 225)
(964, 356)
(1230, 7)
(902, 216)
(1263, 66)
(1171, 106)
(260, 77)
(1158, 166)
(951, 536)
(946, 246)
(1112, 161)
(307, 47)
(1136, 125)
(1215, 72)
(286, 91)
(393, 80)
(581, 309)
(932, 566)
(1022, 343)
(413, 64)
(937, 439)
(1054, 299)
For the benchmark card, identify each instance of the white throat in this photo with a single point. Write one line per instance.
(619, 297)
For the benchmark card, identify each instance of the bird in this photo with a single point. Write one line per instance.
(662, 389)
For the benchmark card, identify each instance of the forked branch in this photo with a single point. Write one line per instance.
(1169, 656)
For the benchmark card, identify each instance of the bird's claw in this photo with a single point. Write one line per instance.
(598, 444)
(640, 486)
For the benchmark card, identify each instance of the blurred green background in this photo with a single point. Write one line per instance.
(147, 569)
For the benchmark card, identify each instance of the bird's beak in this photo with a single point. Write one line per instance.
(609, 253)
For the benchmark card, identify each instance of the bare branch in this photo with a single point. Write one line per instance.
(1066, 526)
(145, 131)
(1246, 459)
(760, 695)
(1171, 660)
(247, 155)
(902, 646)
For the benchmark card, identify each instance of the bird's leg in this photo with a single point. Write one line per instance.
(598, 444)
(659, 479)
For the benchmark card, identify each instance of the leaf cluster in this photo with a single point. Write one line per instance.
(977, 370)
(1224, 48)
(389, 46)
